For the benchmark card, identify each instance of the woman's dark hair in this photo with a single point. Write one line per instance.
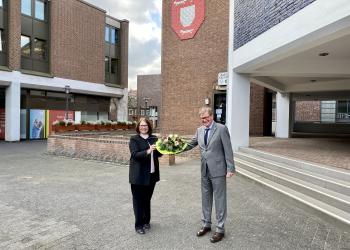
(148, 124)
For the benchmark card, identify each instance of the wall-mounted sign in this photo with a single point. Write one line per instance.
(222, 78)
(186, 17)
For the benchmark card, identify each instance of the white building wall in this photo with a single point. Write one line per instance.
(15, 80)
(13, 111)
(282, 115)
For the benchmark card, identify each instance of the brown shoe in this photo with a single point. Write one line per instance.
(217, 237)
(203, 231)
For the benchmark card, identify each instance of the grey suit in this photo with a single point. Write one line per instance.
(216, 161)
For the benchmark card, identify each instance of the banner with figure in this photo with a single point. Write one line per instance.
(37, 124)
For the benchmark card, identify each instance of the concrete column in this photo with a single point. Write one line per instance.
(282, 115)
(13, 111)
(238, 102)
(122, 109)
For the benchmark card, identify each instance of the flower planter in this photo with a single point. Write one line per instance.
(85, 127)
(63, 128)
(100, 127)
(131, 126)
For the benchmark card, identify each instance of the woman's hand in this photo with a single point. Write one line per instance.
(151, 148)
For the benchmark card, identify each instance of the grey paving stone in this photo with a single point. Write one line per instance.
(51, 198)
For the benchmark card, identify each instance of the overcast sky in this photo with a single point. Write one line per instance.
(144, 33)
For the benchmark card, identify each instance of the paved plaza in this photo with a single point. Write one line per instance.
(49, 202)
(325, 151)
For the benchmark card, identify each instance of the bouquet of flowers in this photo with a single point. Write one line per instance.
(171, 144)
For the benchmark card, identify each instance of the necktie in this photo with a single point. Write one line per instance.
(206, 136)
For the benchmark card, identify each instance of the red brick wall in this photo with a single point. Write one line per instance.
(307, 111)
(190, 67)
(256, 120)
(14, 39)
(102, 149)
(77, 41)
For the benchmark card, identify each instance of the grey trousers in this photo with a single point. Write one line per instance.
(214, 187)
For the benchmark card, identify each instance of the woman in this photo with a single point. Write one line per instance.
(143, 173)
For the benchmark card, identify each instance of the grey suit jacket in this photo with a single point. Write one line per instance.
(217, 154)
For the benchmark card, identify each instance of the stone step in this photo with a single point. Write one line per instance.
(327, 196)
(340, 175)
(315, 178)
(327, 212)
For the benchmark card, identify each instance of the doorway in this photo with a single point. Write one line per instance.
(220, 108)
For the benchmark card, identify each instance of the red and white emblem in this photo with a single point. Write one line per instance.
(186, 17)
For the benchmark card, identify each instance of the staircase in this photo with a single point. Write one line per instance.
(325, 190)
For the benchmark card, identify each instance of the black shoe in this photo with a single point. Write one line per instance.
(147, 226)
(140, 231)
(203, 231)
(217, 237)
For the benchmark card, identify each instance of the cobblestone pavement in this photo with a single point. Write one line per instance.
(59, 203)
(328, 151)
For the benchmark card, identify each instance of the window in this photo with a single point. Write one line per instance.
(106, 64)
(113, 36)
(114, 66)
(26, 7)
(107, 34)
(25, 45)
(0, 3)
(39, 10)
(40, 49)
(343, 111)
(142, 112)
(131, 112)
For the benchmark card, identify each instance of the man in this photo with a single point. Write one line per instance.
(216, 164)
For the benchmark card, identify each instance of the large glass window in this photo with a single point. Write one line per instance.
(114, 65)
(107, 34)
(39, 10)
(26, 7)
(25, 45)
(113, 36)
(40, 49)
(343, 111)
(106, 64)
(0, 3)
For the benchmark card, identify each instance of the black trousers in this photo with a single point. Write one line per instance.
(141, 199)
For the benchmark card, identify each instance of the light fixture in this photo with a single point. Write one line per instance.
(324, 54)
(67, 89)
(206, 101)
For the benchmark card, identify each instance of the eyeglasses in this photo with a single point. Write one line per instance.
(143, 125)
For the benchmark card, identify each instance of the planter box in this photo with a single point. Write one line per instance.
(100, 127)
(63, 128)
(85, 127)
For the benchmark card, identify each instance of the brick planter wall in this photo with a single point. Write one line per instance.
(103, 148)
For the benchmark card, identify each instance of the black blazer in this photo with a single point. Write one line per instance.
(140, 161)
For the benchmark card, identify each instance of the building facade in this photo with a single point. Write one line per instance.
(149, 97)
(60, 56)
(132, 105)
(300, 50)
(194, 67)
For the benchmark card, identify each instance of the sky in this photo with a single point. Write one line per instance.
(144, 33)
